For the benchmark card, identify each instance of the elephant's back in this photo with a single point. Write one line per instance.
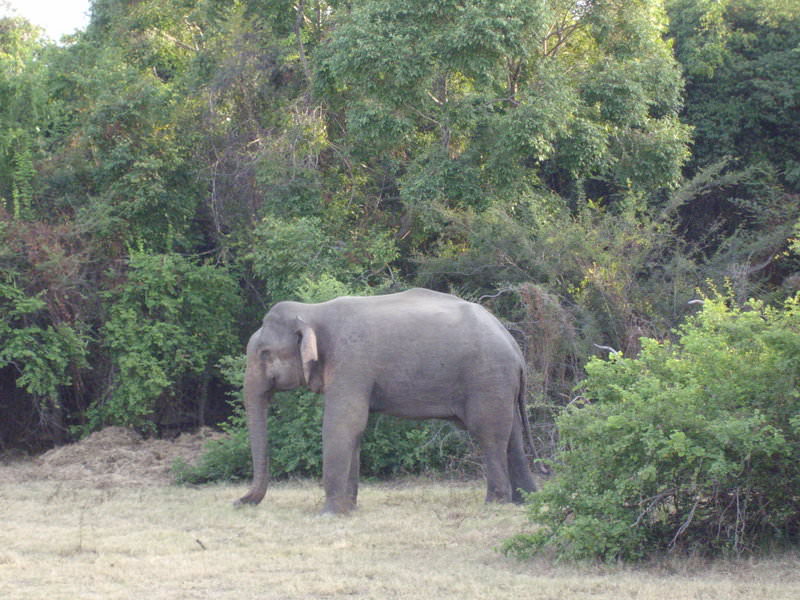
(425, 318)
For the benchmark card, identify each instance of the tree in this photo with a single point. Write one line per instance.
(742, 102)
(742, 81)
(463, 104)
(26, 113)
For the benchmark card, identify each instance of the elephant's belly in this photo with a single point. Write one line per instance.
(415, 401)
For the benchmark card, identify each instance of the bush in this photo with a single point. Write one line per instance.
(389, 447)
(43, 354)
(168, 324)
(692, 446)
(225, 459)
(393, 446)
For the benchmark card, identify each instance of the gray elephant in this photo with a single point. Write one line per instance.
(417, 354)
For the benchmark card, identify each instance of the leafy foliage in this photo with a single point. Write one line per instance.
(389, 447)
(464, 104)
(724, 45)
(42, 354)
(691, 446)
(741, 99)
(225, 459)
(24, 108)
(168, 324)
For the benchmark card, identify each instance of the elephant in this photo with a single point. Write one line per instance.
(416, 354)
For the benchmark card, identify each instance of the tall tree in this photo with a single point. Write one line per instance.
(741, 63)
(463, 103)
(743, 81)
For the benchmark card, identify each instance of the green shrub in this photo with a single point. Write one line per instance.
(225, 459)
(43, 354)
(692, 446)
(295, 434)
(393, 446)
(168, 324)
(389, 447)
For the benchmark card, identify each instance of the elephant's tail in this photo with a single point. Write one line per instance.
(526, 424)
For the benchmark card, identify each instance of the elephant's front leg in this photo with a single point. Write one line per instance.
(355, 472)
(343, 425)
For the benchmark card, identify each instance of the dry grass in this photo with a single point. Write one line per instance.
(73, 539)
(98, 520)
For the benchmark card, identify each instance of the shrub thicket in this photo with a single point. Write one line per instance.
(692, 446)
(168, 324)
(389, 446)
(182, 165)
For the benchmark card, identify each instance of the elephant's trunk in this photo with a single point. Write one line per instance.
(257, 400)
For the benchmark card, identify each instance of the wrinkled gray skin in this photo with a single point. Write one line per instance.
(418, 354)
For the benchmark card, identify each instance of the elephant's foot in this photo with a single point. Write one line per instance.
(339, 506)
(497, 500)
(520, 496)
(252, 497)
(496, 496)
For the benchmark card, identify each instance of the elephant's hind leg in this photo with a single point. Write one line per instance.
(521, 477)
(498, 484)
(494, 445)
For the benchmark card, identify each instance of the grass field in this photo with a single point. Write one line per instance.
(414, 539)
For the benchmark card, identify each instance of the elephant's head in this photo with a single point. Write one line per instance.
(281, 355)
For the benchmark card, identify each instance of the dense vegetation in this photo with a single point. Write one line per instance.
(692, 445)
(584, 169)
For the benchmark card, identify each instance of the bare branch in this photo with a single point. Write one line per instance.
(298, 26)
(654, 502)
(685, 525)
(608, 349)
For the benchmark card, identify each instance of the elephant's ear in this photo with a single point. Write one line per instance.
(308, 348)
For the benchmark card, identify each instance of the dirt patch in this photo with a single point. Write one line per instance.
(115, 456)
